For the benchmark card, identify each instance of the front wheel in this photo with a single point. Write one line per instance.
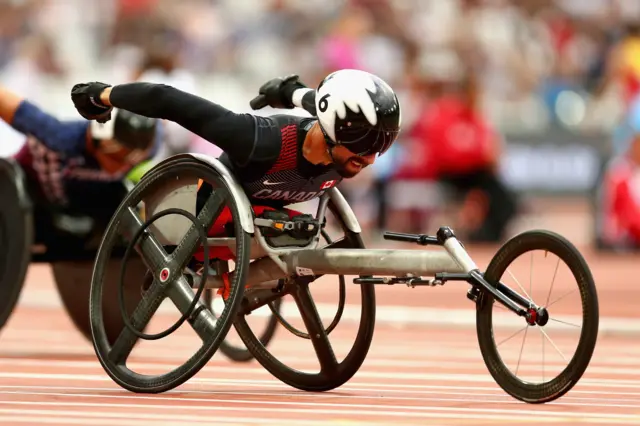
(515, 266)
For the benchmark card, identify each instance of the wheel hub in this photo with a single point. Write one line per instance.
(164, 274)
(537, 316)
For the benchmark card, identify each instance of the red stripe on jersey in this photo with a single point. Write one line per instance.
(218, 230)
(289, 150)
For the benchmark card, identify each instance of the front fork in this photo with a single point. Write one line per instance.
(512, 300)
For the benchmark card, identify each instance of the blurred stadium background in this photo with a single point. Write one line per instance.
(512, 109)
(517, 114)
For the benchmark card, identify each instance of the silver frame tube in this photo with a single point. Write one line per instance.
(272, 264)
(424, 263)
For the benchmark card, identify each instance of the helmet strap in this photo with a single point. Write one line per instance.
(330, 151)
(329, 143)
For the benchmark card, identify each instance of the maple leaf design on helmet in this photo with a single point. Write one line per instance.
(359, 110)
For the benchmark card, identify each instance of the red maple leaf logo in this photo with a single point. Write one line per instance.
(328, 184)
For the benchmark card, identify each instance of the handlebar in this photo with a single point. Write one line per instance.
(411, 238)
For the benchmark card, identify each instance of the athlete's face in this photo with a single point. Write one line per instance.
(349, 164)
(112, 156)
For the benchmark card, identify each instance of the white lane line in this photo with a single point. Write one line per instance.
(205, 374)
(462, 378)
(153, 419)
(396, 364)
(380, 388)
(330, 408)
(29, 415)
(60, 395)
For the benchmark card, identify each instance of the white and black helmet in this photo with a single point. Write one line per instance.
(358, 110)
(131, 130)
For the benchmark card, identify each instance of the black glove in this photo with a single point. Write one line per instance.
(278, 91)
(86, 98)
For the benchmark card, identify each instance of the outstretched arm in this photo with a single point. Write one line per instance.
(67, 137)
(235, 134)
(9, 103)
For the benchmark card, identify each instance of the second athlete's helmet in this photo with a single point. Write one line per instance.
(358, 110)
(128, 129)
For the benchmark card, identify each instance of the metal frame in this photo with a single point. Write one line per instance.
(294, 268)
(399, 266)
(169, 227)
(244, 207)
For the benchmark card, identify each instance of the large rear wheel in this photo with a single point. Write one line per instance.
(16, 236)
(332, 373)
(168, 193)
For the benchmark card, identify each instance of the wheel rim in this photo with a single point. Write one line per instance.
(173, 286)
(332, 373)
(514, 370)
(16, 238)
(238, 351)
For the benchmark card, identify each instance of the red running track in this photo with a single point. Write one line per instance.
(422, 368)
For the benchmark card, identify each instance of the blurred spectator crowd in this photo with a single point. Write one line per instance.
(526, 52)
(496, 66)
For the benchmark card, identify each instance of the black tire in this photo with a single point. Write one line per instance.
(73, 280)
(343, 371)
(16, 236)
(212, 332)
(548, 391)
(242, 354)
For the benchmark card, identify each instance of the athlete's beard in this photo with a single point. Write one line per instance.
(342, 171)
(340, 166)
(346, 173)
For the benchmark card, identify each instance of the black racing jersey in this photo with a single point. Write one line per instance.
(263, 153)
(287, 177)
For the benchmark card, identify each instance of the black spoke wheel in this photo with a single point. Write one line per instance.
(239, 353)
(16, 236)
(167, 263)
(73, 281)
(567, 253)
(332, 373)
(242, 354)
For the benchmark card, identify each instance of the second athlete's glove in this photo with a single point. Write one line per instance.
(277, 92)
(86, 99)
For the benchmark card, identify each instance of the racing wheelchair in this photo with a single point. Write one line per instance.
(184, 197)
(32, 230)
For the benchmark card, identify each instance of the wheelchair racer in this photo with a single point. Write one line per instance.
(280, 159)
(75, 166)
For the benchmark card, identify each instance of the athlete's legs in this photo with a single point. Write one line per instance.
(42, 218)
(220, 227)
(24, 157)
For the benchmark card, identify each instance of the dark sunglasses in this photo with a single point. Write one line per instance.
(364, 147)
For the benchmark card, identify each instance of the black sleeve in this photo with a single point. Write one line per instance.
(308, 101)
(235, 134)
